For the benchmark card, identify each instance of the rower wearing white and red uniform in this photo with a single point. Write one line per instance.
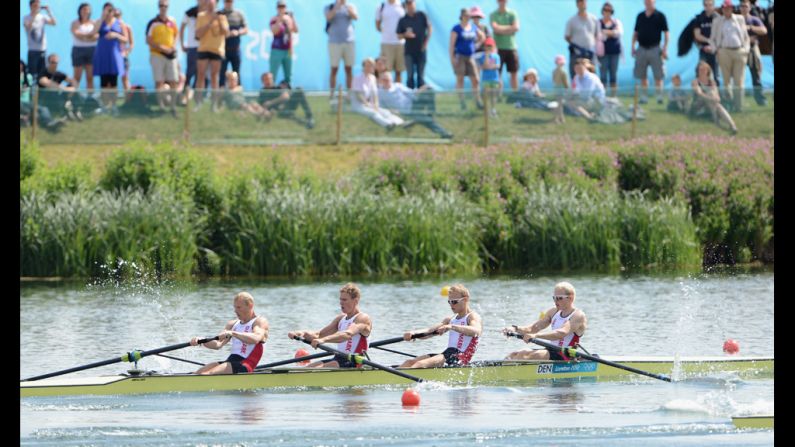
(349, 330)
(248, 334)
(568, 325)
(465, 327)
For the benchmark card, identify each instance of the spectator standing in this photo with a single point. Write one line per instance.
(611, 32)
(730, 38)
(283, 26)
(463, 39)
(161, 36)
(126, 49)
(190, 47)
(582, 30)
(415, 28)
(84, 41)
(755, 29)
(701, 34)
(341, 42)
(648, 26)
(364, 99)
(386, 21)
(108, 58)
(237, 27)
(489, 64)
(560, 81)
(475, 13)
(505, 23)
(211, 30)
(37, 40)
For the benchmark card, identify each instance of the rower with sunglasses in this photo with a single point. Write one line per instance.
(464, 326)
(568, 326)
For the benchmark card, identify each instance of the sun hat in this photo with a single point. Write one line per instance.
(559, 59)
(475, 11)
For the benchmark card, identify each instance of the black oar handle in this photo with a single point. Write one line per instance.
(574, 353)
(360, 359)
(132, 356)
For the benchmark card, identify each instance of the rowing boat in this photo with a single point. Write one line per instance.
(753, 421)
(503, 372)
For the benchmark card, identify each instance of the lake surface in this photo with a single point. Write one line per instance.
(628, 314)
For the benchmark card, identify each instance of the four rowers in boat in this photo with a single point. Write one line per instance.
(465, 327)
(349, 329)
(568, 325)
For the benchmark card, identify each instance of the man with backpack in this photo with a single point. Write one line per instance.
(341, 40)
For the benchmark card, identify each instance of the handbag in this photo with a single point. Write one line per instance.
(600, 47)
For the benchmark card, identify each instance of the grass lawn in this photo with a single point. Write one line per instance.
(235, 140)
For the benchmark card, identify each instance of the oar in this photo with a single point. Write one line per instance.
(128, 357)
(396, 352)
(571, 352)
(360, 359)
(374, 344)
(181, 360)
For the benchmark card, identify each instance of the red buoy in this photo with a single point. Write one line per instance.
(731, 346)
(302, 353)
(411, 398)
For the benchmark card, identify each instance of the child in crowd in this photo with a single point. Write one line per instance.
(530, 95)
(560, 79)
(236, 100)
(677, 98)
(489, 65)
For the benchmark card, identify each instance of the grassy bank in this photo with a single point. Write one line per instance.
(558, 204)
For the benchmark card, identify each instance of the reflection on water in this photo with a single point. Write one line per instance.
(463, 402)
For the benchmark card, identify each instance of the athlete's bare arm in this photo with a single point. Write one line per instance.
(539, 325)
(259, 333)
(361, 325)
(222, 338)
(431, 331)
(472, 329)
(577, 321)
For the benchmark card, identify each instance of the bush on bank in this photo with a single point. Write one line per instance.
(552, 205)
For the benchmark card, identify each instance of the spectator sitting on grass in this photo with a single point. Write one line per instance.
(530, 95)
(706, 97)
(284, 100)
(677, 98)
(588, 92)
(55, 94)
(364, 98)
(489, 65)
(417, 105)
(236, 100)
(25, 107)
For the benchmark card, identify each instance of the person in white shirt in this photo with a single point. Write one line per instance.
(730, 39)
(37, 40)
(387, 17)
(582, 31)
(364, 98)
(588, 92)
(417, 105)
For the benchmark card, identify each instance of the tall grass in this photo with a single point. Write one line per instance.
(304, 231)
(75, 234)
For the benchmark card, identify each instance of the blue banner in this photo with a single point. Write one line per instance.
(539, 39)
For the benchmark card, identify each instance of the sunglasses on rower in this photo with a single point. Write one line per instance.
(559, 297)
(454, 302)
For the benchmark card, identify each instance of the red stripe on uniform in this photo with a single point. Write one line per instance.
(253, 359)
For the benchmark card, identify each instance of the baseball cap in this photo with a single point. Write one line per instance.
(489, 42)
(728, 3)
(281, 3)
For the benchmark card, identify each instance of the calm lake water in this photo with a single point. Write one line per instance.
(628, 314)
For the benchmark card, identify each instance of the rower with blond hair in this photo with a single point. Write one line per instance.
(465, 327)
(568, 325)
(349, 330)
(247, 333)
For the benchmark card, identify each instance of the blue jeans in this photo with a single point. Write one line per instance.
(190, 67)
(233, 56)
(415, 62)
(608, 68)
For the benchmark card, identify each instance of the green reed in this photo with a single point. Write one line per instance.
(274, 231)
(85, 233)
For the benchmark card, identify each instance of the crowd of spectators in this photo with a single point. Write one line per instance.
(727, 38)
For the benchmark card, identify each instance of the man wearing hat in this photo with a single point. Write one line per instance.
(732, 43)
(505, 23)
